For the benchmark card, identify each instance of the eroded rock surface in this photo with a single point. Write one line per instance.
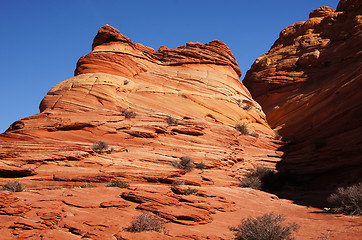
(309, 87)
(153, 108)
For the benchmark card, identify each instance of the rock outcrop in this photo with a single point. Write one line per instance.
(308, 85)
(153, 108)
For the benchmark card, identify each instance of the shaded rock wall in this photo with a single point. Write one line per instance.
(309, 87)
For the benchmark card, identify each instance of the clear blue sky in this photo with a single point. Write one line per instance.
(41, 41)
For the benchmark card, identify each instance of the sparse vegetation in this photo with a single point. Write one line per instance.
(269, 226)
(171, 121)
(189, 191)
(348, 200)
(125, 82)
(118, 183)
(178, 182)
(245, 106)
(257, 177)
(15, 186)
(87, 185)
(128, 113)
(200, 165)
(243, 128)
(147, 222)
(263, 178)
(324, 236)
(186, 163)
(102, 147)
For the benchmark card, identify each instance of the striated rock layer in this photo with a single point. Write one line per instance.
(309, 87)
(153, 108)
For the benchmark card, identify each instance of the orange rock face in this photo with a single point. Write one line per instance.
(309, 87)
(153, 108)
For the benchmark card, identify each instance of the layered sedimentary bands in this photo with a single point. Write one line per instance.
(155, 107)
(309, 87)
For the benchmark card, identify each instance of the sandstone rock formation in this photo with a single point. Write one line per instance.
(308, 85)
(153, 108)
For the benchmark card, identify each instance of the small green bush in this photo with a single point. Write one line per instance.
(87, 185)
(243, 128)
(200, 165)
(245, 106)
(102, 147)
(171, 121)
(147, 222)
(186, 163)
(189, 191)
(118, 183)
(257, 177)
(267, 227)
(15, 186)
(348, 200)
(266, 179)
(324, 236)
(178, 182)
(128, 113)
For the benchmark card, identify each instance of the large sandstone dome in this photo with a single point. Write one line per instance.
(196, 85)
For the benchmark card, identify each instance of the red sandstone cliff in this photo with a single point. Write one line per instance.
(309, 87)
(196, 85)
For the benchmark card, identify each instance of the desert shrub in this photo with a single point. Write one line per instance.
(348, 200)
(258, 177)
(189, 191)
(324, 236)
(186, 163)
(118, 183)
(15, 186)
(269, 226)
(178, 182)
(242, 128)
(200, 165)
(87, 185)
(238, 102)
(125, 82)
(263, 178)
(245, 106)
(171, 121)
(102, 147)
(128, 113)
(147, 222)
